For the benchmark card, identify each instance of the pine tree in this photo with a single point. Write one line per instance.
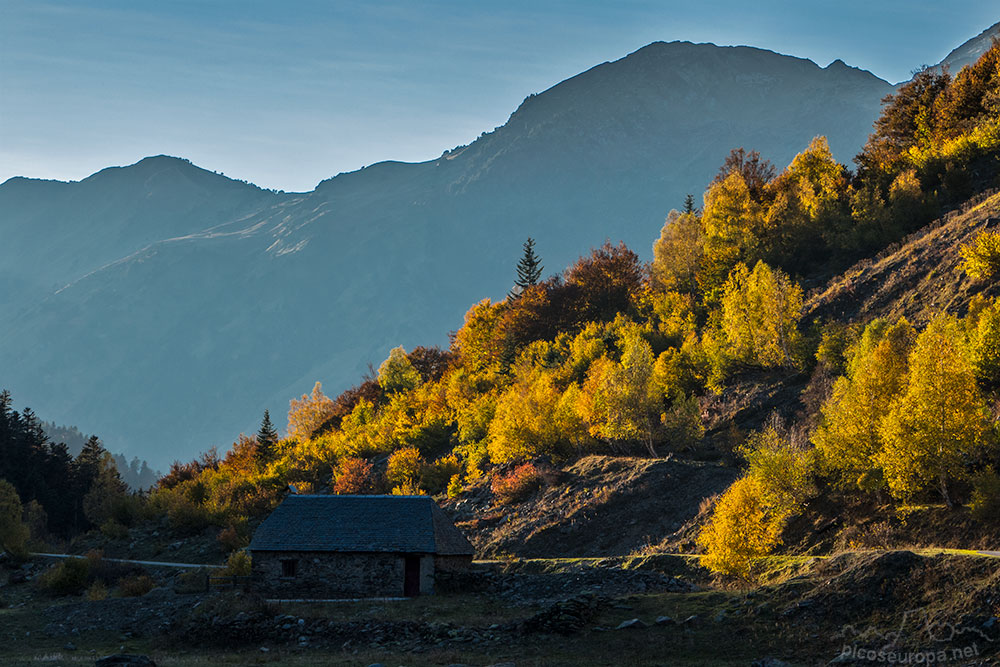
(689, 208)
(529, 270)
(267, 437)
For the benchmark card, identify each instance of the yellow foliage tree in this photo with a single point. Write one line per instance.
(622, 401)
(734, 226)
(985, 342)
(849, 439)
(480, 341)
(397, 373)
(760, 315)
(981, 256)
(525, 423)
(677, 253)
(13, 531)
(404, 469)
(941, 422)
(308, 413)
(744, 528)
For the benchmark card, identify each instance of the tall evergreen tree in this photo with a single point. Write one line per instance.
(267, 437)
(529, 270)
(689, 204)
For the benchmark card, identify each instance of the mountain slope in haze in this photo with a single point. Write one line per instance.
(248, 297)
(56, 232)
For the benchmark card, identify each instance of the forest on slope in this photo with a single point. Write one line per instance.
(614, 357)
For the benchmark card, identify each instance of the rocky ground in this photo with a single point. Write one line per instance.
(613, 611)
(598, 506)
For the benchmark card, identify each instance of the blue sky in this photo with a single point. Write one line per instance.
(286, 94)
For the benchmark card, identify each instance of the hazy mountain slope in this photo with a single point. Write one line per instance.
(56, 232)
(970, 51)
(183, 343)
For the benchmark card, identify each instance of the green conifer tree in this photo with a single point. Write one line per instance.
(689, 208)
(267, 437)
(529, 270)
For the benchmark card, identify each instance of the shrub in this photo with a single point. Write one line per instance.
(69, 577)
(985, 503)
(187, 518)
(238, 564)
(230, 539)
(113, 530)
(97, 591)
(136, 585)
(194, 581)
(516, 485)
(454, 486)
(981, 257)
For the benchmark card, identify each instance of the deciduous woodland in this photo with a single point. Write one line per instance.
(611, 356)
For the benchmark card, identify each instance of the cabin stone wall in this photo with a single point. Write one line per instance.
(452, 563)
(331, 575)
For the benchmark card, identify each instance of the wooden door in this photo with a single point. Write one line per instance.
(411, 576)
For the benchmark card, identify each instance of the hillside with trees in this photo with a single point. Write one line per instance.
(143, 294)
(616, 358)
(795, 405)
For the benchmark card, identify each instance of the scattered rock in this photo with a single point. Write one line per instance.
(631, 624)
(664, 620)
(769, 662)
(565, 617)
(690, 620)
(124, 660)
(69, 646)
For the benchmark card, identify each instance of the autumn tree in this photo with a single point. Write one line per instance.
(603, 284)
(622, 401)
(397, 373)
(13, 531)
(941, 422)
(526, 422)
(808, 206)
(479, 344)
(733, 222)
(747, 521)
(981, 256)
(677, 254)
(745, 527)
(308, 413)
(755, 171)
(404, 470)
(529, 270)
(984, 340)
(353, 475)
(760, 315)
(849, 437)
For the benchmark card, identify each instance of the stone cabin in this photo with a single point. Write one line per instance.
(319, 546)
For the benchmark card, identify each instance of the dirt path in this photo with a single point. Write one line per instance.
(151, 563)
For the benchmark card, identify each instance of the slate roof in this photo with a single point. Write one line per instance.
(365, 524)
